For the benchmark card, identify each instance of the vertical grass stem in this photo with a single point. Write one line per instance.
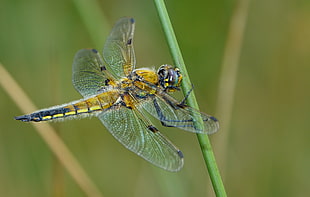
(186, 86)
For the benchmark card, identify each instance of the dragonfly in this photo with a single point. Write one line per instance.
(123, 97)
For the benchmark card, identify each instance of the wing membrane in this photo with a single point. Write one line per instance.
(166, 109)
(131, 130)
(118, 50)
(88, 72)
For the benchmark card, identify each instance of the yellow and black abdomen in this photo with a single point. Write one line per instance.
(85, 106)
(48, 114)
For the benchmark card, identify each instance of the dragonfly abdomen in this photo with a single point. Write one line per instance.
(45, 115)
(86, 106)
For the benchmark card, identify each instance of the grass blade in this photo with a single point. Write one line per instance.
(94, 20)
(49, 135)
(229, 72)
(186, 86)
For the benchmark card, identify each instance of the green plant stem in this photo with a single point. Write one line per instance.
(94, 20)
(49, 135)
(204, 141)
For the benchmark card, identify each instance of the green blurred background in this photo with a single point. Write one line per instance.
(268, 146)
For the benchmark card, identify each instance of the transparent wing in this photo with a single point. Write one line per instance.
(118, 50)
(172, 114)
(132, 131)
(88, 72)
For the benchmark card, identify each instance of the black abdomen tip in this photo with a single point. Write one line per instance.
(23, 118)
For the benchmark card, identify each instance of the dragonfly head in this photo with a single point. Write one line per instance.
(169, 78)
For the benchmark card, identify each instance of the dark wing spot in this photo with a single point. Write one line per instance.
(102, 68)
(94, 50)
(132, 20)
(152, 128)
(180, 154)
(213, 118)
(106, 82)
(129, 41)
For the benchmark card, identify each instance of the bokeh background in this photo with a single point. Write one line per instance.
(267, 151)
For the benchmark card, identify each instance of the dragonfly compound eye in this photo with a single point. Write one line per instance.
(169, 77)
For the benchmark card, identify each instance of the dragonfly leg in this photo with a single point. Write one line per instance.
(182, 103)
(164, 120)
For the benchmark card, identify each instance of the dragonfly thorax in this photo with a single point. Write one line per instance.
(146, 80)
(146, 75)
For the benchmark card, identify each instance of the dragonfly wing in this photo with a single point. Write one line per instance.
(144, 140)
(172, 114)
(118, 50)
(88, 72)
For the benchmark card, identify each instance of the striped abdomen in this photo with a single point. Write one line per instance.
(93, 104)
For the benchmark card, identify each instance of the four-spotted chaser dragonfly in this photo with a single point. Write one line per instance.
(121, 96)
